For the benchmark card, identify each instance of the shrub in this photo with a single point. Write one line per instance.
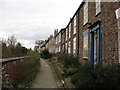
(27, 71)
(5, 81)
(90, 76)
(45, 54)
(69, 63)
(69, 60)
(71, 71)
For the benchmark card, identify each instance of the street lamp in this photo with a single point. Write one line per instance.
(117, 12)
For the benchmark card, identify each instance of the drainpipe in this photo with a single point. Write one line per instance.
(117, 12)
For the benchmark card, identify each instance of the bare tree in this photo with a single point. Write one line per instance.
(39, 42)
(11, 41)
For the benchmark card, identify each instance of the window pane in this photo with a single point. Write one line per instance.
(85, 44)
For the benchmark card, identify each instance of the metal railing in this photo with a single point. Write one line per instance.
(5, 60)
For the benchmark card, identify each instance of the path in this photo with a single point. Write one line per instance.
(45, 78)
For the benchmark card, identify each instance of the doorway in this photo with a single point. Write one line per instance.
(95, 54)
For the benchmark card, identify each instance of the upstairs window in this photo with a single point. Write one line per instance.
(98, 7)
(66, 34)
(75, 25)
(85, 15)
(70, 30)
(59, 37)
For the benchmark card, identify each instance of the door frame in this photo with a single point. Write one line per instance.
(92, 29)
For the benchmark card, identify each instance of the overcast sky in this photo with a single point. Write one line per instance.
(30, 20)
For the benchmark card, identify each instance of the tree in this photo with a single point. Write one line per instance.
(24, 51)
(12, 48)
(4, 49)
(18, 49)
(11, 41)
(39, 42)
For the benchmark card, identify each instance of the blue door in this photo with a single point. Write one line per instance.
(95, 53)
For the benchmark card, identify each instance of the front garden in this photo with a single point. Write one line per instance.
(88, 75)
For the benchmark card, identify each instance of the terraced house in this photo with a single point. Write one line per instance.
(92, 33)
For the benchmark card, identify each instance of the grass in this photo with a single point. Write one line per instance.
(57, 79)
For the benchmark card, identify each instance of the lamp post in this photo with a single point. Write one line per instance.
(117, 12)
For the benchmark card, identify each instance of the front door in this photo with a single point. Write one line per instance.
(95, 45)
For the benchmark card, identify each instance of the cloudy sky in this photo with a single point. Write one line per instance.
(30, 20)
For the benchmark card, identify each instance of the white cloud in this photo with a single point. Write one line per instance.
(31, 20)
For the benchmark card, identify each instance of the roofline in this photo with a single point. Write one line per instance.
(60, 31)
(82, 3)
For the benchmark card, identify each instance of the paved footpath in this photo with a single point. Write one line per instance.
(45, 78)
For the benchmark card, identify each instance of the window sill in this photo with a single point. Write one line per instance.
(97, 14)
(85, 24)
(84, 58)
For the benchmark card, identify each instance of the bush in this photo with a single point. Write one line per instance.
(90, 76)
(27, 71)
(71, 71)
(69, 60)
(69, 63)
(45, 54)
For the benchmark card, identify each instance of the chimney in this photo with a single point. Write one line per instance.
(55, 32)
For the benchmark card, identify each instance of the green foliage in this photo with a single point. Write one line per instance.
(12, 48)
(69, 60)
(45, 54)
(71, 71)
(27, 71)
(5, 81)
(69, 63)
(90, 76)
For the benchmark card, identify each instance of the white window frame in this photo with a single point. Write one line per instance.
(59, 49)
(70, 30)
(66, 47)
(98, 6)
(59, 37)
(85, 15)
(66, 34)
(69, 47)
(85, 45)
(74, 25)
(74, 45)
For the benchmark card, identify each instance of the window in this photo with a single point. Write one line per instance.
(116, 0)
(118, 23)
(59, 37)
(59, 49)
(85, 44)
(98, 7)
(66, 47)
(85, 13)
(70, 30)
(56, 40)
(66, 34)
(74, 45)
(69, 46)
(74, 24)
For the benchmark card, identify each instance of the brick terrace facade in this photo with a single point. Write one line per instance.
(91, 34)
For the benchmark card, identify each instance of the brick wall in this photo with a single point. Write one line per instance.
(109, 31)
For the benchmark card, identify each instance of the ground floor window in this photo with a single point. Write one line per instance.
(69, 47)
(74, 45)
(85, 44)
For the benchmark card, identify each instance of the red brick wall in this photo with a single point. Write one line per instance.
(109, 30)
